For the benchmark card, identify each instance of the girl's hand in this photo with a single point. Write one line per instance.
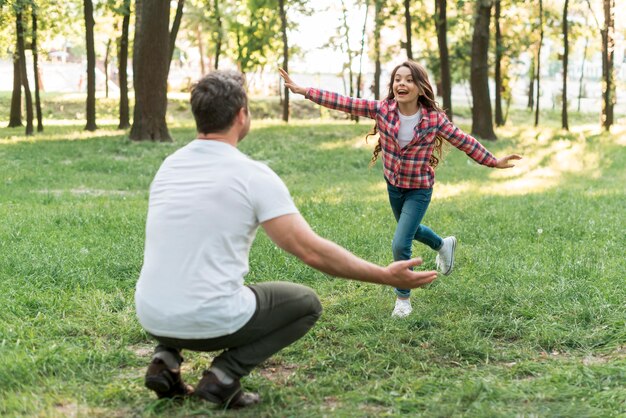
(290, 84)
(505, 161)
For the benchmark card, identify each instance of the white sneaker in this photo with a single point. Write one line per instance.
(403, 308)
(445, 257)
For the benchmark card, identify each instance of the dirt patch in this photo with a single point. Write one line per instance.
(278, 373)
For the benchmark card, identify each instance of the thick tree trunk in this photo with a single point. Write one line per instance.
(378, 22)
(482, 124)
(91, 66)
(22, 54)
(175, 27)
(564, 122)
(218, 43)
(122, 58)
(36, 71)
(538, 75)
(407, 25)
(283, 29)
(441, 23)
(498, 69)
(150, 78)
(15, 117)
(608, 58)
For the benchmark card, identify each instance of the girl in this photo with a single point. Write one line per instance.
(411, 129)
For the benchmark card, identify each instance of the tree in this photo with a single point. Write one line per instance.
(608, 58)
(91, 66)
(564, 122)
(175, 27)
(407, 25)
(378, 22)
(219, 32)
(538, 58)
(482, 125)
(498, 69)
(20, 7)
(122, 60)
(15, 117)
(441, 22)
(34, 13)
(283, 30)
(151, 66)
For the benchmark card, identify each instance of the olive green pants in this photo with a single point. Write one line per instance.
(285, 312)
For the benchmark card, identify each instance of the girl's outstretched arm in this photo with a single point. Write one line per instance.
(335, 101)
(505, 162)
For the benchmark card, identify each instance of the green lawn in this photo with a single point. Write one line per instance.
(531, 323)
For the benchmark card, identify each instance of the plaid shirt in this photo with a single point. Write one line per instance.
(406, 167)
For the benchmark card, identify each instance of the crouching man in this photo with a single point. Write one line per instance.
(206, 202)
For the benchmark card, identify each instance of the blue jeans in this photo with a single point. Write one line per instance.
(409, 207)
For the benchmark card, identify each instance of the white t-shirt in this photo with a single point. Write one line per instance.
(206, 203)
(407, 127)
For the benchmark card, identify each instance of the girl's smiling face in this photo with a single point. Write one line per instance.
(404, 87)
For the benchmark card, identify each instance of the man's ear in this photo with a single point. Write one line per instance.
(242, 114)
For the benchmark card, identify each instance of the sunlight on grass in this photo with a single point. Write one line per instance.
(69, 135)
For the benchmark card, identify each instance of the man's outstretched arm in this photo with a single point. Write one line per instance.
(293, 234)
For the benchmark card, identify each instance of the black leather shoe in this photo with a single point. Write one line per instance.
(229, 396)
(165, 382)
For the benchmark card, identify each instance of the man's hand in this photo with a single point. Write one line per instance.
(505, 162)
(290, 84)
(401, 277)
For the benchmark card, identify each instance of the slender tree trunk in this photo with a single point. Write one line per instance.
(564, 122)
(531, 85)
(201, 50)
(608, 57)
(15, 117)
(441, 22)
(346, 29)
(582, 72)
(407, 24)
(378, 21)
(538, 75)
(36, 70)
(150, 78)
(106, 69)
(363, 36)
(23, 75)
(498, 69)
(482, 122)
(178, 17)
(122, 59)
(218, 43)
(283, 29)
(91, 66)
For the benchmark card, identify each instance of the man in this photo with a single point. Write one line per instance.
(206, 203)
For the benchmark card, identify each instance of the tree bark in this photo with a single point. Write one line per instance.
(482, 124)
(283, 29)
(36, 70)
(441, 23)
(178, 17)
(150, 78)
(498, 69)
(538, 75)
(91, 66)
(15, 117)
(531, 85)
(122, 59)
(564, 121)
(407, 24)
(218, 43)
(106, 69)
(377, 26)
(23, 75)
(608, 58)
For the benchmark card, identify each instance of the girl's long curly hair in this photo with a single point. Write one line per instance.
(427, 100)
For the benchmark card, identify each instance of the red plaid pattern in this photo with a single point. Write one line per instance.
(406, 167)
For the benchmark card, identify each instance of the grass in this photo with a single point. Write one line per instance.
(531, 323)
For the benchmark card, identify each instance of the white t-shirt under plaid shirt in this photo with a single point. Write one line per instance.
(206, 202)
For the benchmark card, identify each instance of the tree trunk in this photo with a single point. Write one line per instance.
(15, 117)
(538, 75)
(106, 69)
(201, 50)
(531, 85)
(441, 23)
(91, 66)
(359, 77)
(582, 72)
(564, 122)
(608, 57)
(150, 78)
(283, 29)
(378, 21)
(175, 27)
(346, 29)
(407, 24)
(498, 69)
(482, 124)
(218, 43)
(122, 59)
(20, 48)
(36, 70)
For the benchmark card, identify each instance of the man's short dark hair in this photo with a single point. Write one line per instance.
(216, 99)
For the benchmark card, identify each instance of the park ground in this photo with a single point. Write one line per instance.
(531, 323)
